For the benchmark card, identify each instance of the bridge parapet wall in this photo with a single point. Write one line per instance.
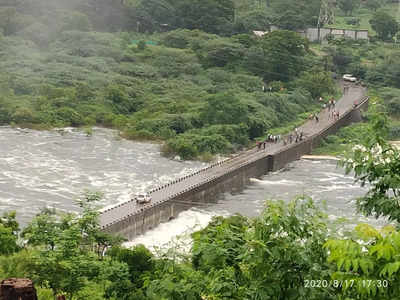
(232, 180)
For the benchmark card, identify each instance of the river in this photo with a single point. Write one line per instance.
(49, 169)
(53, 168)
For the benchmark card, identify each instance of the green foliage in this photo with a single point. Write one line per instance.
(141, 45)
(219, 53)
(8, 241)
(386, 73)
(376, 162)
(316, 82)
(69, 248)
(274, 256)
(139, 261)
(184, 38)
(219, 245)
(385, 25)
(373, 4)
(342, 141)
(284, 54)
(224, 109)
(391, 98)
(236, 258)
(8, 234)
(214, 16)
(294, 15)
(56, 74)
(16, 265)
(368, 263)
(348, 6)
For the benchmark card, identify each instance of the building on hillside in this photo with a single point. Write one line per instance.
(320, 34)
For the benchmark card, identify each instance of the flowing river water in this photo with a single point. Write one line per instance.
(53, 168)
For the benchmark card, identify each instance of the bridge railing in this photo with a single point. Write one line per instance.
(250, 159)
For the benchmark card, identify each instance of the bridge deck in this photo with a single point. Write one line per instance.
(170, 190)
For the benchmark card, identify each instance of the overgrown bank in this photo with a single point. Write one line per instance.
(198, 92)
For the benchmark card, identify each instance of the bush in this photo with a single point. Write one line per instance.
(183, 146)
(69, 116)
(219, 53)
(353, 21)
(141, 45)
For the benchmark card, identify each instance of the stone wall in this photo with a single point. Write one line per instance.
(17, 289)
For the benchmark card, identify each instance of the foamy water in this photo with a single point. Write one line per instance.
(52, 169)
(327, 184)
(49, 169)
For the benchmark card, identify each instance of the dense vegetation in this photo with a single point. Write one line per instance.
(377, 63)
(200, 92)
(290, 251)
(190, 73)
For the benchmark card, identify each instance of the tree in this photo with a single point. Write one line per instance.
(269, 257)
(284, 53)
(316, 82)
(153, 13)
(8, 240)
(220, 53)
(384, 24)
(9, 220)
(377, 163)
(214, 16)
(367, 263)
(139, 261)
(348, 6)
(293, 15)
(373, 4)
(68, 246)
(119, 99)
(224, 109)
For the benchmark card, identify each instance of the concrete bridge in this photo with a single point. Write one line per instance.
(230, 175)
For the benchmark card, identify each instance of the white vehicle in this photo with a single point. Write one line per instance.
(349, 77)
(143, 198)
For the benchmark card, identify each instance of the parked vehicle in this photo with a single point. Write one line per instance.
(142, 198)
(349, 77)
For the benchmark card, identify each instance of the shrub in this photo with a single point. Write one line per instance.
(141, 45)
(184, 147)
(69, 116)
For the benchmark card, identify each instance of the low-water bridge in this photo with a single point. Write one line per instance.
(230, 175)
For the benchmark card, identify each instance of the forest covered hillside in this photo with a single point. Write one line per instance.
(189, 73)
(75, 65)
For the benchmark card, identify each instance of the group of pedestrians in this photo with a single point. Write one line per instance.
(315, 117)
(270, 139)
(334, 114)
(296, 136)
(331, 104)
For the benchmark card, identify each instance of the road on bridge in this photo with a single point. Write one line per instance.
(309, 128)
